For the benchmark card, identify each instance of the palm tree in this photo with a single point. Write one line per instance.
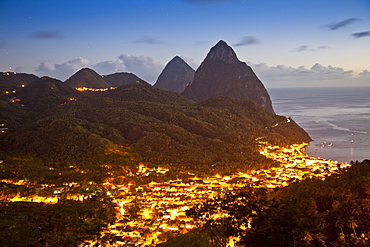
(366, 205)
(307, 237)
(355, 209)
(352, 223)
(339, 224)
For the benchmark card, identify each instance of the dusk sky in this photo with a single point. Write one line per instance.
(288, 43)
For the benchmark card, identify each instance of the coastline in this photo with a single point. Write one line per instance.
(339, 116)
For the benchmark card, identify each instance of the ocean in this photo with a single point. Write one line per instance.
(337, 119)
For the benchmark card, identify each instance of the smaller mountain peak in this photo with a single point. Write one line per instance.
(222, 51)
(120, 78)
(177, 59)
(86, 77)
(176, 75)
(86, 70)
(221, 42)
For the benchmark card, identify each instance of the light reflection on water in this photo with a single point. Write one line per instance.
(338, 119)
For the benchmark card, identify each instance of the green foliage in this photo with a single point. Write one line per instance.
(57, 135)
(67, 223)
(44, 94)
(333, 212)
(190, 239)
(120, 78)
(13, 115)
(317, 213)
(142, 91)
(15, 81)
(216, 135)
(234, 211)
(57, 141)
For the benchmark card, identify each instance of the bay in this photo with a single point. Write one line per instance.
(337, 119)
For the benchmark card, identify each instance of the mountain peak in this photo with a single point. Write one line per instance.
(222, 51)
(176, 75)
(87, 70)
(222, 74)
(177, 58)
(120, 78)
(86, 77)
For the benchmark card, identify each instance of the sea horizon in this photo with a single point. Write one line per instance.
(336, 118)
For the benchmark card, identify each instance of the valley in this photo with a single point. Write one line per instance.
(146, 214)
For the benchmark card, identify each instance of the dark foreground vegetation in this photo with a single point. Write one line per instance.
(333, 212)
(67, 223)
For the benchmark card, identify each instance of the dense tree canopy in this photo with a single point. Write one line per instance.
(312, 212)
(54, 134)
(64, 127)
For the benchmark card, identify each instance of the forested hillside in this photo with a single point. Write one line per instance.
(53, 135)
(62, 127)
(312, 212)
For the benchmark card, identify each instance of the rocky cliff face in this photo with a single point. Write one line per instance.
(222, 74)
(175, 76)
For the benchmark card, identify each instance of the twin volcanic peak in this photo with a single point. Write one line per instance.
(175, 76)
(222, 74)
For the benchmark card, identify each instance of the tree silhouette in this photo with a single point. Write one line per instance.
(352, 223)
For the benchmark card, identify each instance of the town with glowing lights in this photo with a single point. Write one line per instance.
(198, 159)
(144, 213)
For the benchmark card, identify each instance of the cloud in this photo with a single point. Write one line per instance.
(337, 25)
(323, 47)
(365, 74)
(146, 68)
(149, 40)
(247, 40)
(20, 69)
(308, 48)
(46, 35)
(108, 67)
(300, 76)
(361, 34)
(192, 63)
(302, 48)
(64, 70)
(329, 72)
